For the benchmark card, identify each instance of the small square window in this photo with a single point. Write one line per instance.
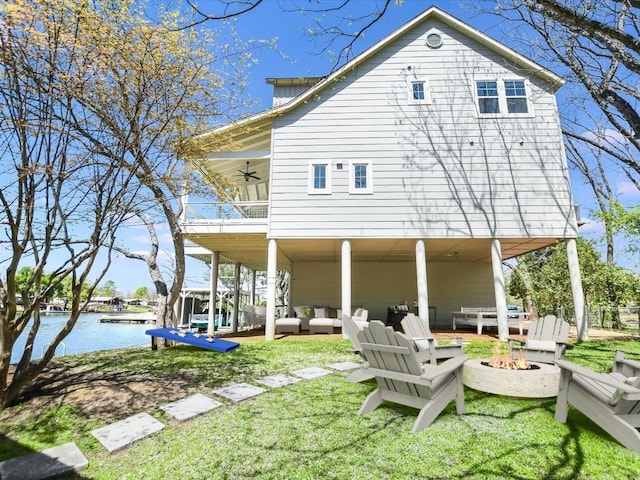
(319, 178)
(361, 178)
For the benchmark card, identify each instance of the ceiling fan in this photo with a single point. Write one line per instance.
(247, 174)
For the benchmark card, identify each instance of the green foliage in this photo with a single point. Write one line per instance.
(603, 285)
(109, 289)
(141, 292)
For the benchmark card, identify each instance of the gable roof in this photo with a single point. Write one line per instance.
(251, 124)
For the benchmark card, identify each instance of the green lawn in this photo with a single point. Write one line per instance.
(311, 429)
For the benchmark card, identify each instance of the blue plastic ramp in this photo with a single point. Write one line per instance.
(197, 340)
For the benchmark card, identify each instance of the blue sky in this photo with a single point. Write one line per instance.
(297, 55)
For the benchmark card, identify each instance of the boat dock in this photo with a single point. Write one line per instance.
(142, 318)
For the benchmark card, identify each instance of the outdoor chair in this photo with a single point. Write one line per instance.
(611, 400)
(351, 326)
(546, 340)
(401, 378)
(420, 334)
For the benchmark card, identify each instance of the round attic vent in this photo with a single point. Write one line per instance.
(434, 40)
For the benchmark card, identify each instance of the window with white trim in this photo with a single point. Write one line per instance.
(488, 100)
(319, 178)
(502, 97)
(516, 95)
(361, 177)
(419, 92)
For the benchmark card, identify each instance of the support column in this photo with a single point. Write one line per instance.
(213, 292)
(421, 277)
(272, 261)
(346, 282)
(576, 289)
(252, 299)
(236, 298)
(499, 288)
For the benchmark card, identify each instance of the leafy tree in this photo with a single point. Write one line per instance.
(141, 292)
(108, 289)
(550, 285)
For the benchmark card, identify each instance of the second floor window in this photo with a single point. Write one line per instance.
(360, 178)
(507, 97)
(319, 178)
(419, 92)
(488, 101)
(516, 96)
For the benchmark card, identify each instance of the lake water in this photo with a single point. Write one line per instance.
(88, 335)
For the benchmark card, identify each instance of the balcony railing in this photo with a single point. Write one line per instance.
(203, 212)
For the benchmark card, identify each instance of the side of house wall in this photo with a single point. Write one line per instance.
(439, 170)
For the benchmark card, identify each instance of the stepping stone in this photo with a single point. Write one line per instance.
(311, 372)
(239, 392)
(345, 366)
(278, 380)
(191, 406)
(53, 462)
(123, 433)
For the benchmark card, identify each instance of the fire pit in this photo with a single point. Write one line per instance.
(501, 375)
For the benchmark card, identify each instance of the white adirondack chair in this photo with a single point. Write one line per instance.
(420, 334)
(546, 340)
(611, 400)
(393, 360)
(351, 326)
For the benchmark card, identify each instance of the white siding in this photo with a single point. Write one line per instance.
(451, 285)
(438, 169)
(283, 94)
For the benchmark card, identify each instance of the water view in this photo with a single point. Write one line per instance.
(89, 335)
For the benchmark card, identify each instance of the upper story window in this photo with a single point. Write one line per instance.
(507, 97)
(319, 178)
(419, 92)
(361, 177)
(488, 101)
(516, 95)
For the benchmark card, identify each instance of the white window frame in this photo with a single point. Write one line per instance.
(369, 178)
(312, 190)
(427, 91)
(526, 96)
(502, 98)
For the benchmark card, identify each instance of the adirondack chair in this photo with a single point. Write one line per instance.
(546, 340)
(611, 400)
(392, 359)
(351, 326)
(420, 334)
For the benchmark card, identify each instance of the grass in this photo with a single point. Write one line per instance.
(308, 430)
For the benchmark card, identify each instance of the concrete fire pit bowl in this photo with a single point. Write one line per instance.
(541, 382)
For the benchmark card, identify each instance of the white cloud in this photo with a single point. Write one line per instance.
(628, 189)
(592, 227)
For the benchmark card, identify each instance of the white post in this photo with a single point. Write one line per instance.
(272, 259)
(236, 298)
(213, 292)
(499, 288)
(346, 283)
(421, 277)
(576, 289)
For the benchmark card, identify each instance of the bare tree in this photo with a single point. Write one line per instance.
(60, 206)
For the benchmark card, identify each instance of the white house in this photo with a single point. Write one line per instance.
(408, 175)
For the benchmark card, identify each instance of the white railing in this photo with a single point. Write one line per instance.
(226, 211)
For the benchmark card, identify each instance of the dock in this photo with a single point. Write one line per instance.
(142, 318)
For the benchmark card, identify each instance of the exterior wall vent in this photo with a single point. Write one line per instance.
(434, 40)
